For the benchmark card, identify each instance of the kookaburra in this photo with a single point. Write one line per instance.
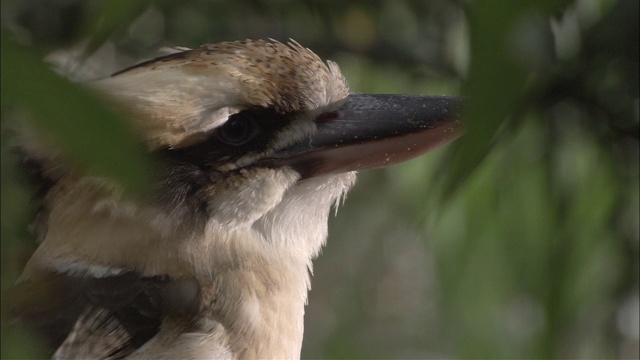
(257, 140)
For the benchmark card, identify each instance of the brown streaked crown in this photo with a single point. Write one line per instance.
(178, 98)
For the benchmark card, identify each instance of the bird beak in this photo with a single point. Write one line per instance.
(374, 131)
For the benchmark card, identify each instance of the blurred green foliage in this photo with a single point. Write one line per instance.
(84, 127)
(520, 240)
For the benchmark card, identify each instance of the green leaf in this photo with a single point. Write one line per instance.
(90, 134)
(505, 37)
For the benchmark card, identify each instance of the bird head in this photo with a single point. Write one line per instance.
(256, 140)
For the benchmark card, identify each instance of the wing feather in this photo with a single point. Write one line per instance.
(101, 318)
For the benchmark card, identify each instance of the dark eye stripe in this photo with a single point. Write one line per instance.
(238, 130)
(249, 131)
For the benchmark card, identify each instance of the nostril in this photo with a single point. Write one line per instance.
(326, 117)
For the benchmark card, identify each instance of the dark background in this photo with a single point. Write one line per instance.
(520, 240)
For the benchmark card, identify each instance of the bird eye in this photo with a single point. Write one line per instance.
(238, 130)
